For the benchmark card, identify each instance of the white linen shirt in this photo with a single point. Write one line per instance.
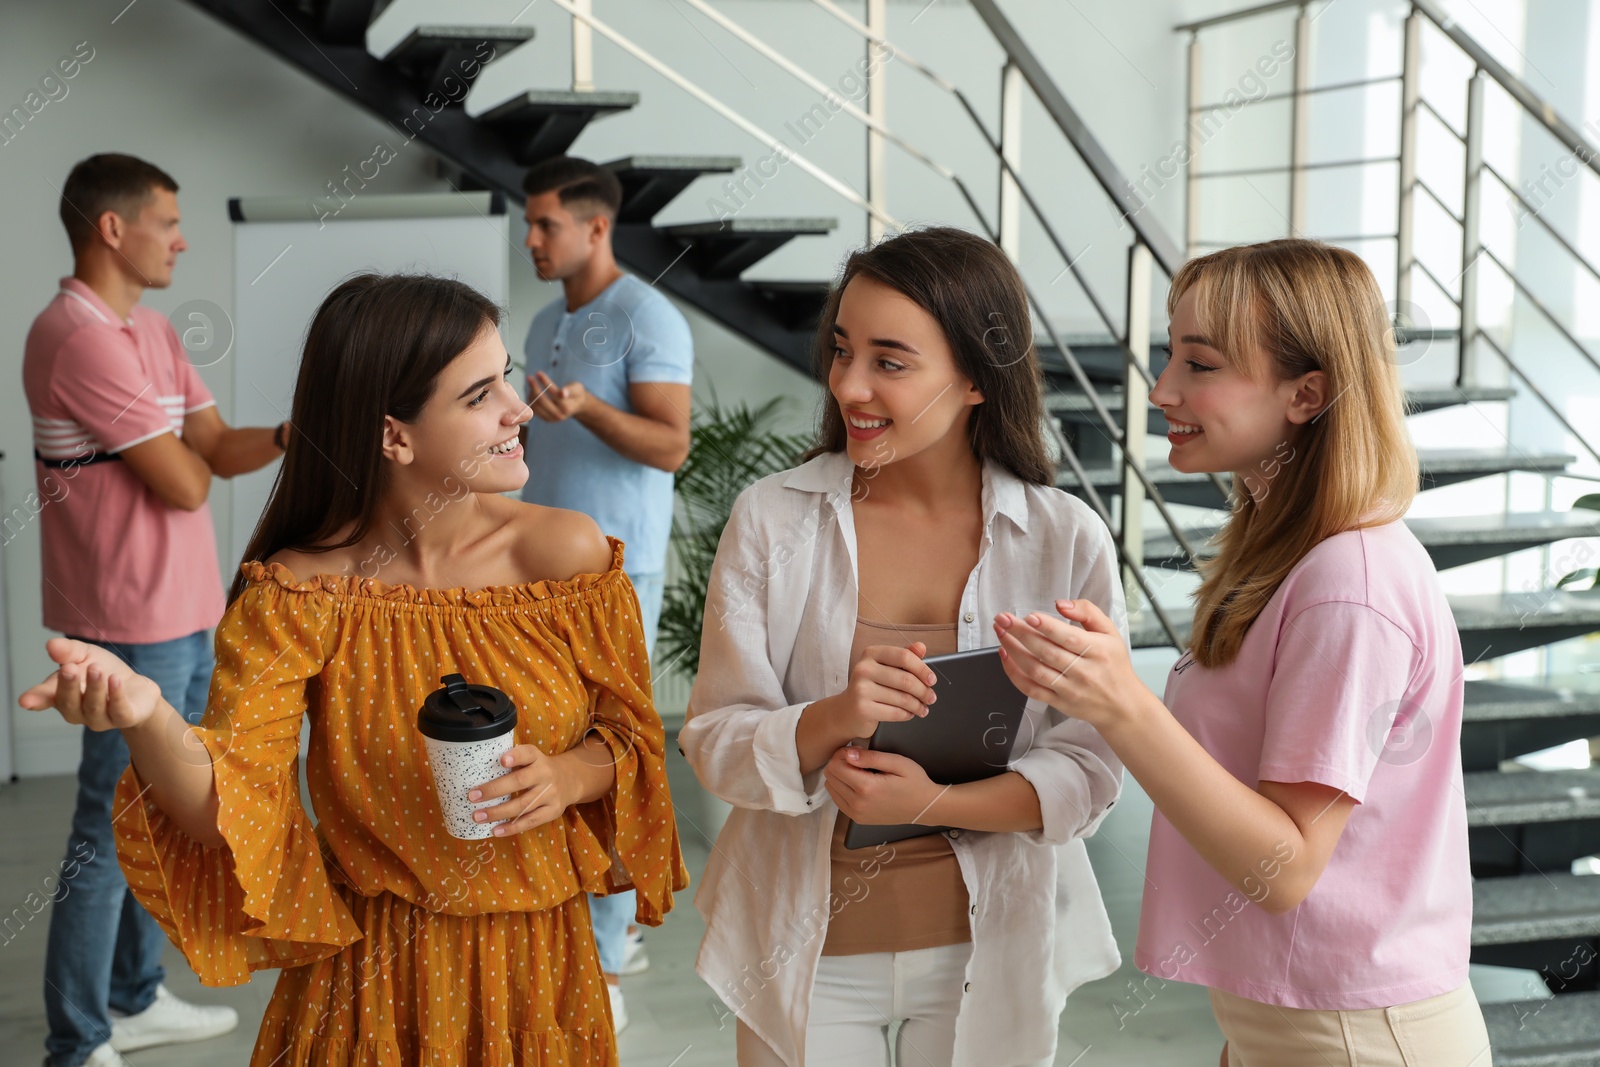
(780, 617)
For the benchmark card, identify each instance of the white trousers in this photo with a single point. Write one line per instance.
(857, 1000)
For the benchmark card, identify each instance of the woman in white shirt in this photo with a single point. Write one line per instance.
(926, 509)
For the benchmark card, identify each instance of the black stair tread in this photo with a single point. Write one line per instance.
(739, 225)
(1549, 607)
(434, 54)
(650, 183)
(1522, 612)
(1450, 460)
(1513, 798)
(797, 303)
(1561, 1031)
(698, 164)
(432, 39)
(1480, 461)
(724, 250)
(540, 124)
(1535, 907)
(1433, 531)
(1428, 398)
(526, 100)
(1469, 529)
(1418, 399)
(1561, 697)
(777, 285)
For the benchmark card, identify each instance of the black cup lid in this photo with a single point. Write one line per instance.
(463, 712)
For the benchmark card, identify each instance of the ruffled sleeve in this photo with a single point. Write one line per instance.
(634, 822)
(263, 898)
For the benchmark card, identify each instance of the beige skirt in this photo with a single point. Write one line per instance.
(1442, 1031)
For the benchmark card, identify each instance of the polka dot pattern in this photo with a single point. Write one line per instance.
(357, 657)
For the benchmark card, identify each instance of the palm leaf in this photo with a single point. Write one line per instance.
(729, 448)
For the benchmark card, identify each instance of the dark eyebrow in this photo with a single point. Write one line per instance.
(880, 342)
(481, 382)
(1195, 339)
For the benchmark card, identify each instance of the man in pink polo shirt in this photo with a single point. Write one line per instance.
(126, 441)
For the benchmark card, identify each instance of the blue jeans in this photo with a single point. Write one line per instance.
(612, 914)
(105, 950)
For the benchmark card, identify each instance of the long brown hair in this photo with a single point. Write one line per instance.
(974, 293)
(1307, 306)
(375, 348)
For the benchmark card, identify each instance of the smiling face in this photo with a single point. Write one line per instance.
(1222, 419)
(559, 242)
(895, 377)
(467, 431)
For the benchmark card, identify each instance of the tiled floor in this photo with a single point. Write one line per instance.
(675, 1019)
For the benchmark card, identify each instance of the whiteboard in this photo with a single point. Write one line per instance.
(286, 260)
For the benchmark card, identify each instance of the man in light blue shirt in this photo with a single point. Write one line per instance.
(609, 366)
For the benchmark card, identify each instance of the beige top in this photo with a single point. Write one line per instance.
(904, 895)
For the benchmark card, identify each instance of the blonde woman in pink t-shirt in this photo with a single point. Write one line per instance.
(1308, 855)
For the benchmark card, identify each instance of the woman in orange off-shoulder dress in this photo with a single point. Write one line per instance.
(386, 558)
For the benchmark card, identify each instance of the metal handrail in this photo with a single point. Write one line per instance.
(1516, 369)
(994, 145)
(1548, 403)
(1437, 199)
(1094, 156)
(1332, 164)
(1485, 66)
(784, 63)
(1539, 305)
(722, 109)
(773, 55)
(1446, 123)
(1232, 16)
(1147, 234)
(1315, 90)
(1531, 102)
(1534, 213)
(788, 66)
(1109, 428)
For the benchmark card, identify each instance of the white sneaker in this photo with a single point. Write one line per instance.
(169, 1021)
(634, 959)
(619, 1010)
(102, 1056)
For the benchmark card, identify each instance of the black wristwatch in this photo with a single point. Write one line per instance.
(280, 436)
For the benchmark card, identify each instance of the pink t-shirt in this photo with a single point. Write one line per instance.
(119, 565)
(1350, 677)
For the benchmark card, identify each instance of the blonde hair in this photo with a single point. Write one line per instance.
(1285, 308)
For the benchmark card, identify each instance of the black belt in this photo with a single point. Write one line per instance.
(78, 461)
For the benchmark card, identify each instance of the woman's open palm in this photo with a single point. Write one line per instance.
(92, 686)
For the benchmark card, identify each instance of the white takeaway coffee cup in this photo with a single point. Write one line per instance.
(467, 729)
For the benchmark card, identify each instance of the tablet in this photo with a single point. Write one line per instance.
(968, 734)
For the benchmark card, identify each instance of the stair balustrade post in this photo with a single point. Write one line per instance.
(1300, 123)
(1010, 213)
(878, 111)
(582, 49)
(1135, 424)
(1471, 238)
(1191, 164)
(1410, 97)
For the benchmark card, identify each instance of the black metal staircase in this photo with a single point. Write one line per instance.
(697, 262)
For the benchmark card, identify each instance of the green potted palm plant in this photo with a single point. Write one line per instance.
(729, 448)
